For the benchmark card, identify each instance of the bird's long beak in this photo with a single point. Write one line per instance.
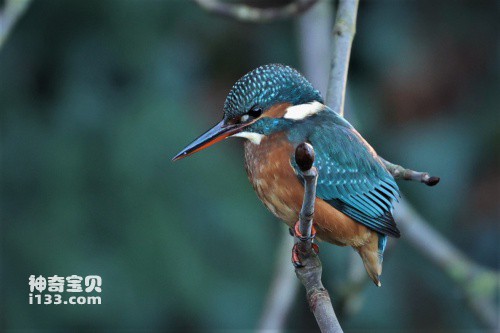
(215, 134)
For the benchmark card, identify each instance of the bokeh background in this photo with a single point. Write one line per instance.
(97, 96)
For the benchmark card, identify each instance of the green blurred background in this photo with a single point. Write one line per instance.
(97, 96)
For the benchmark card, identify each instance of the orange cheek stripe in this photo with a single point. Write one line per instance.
(277, 111)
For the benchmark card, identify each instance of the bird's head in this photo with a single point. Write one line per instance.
(264, 101)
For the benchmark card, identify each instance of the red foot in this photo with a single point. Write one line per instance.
(295, 250)
(297, 233)
(296, 257)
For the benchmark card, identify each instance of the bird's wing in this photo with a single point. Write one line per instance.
(352, 178)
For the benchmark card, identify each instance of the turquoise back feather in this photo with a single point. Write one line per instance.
(351, 176)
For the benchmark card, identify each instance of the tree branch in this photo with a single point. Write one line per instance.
(310, 274)
(342, 37)
(247, 13)
(9, 15)
(343, 34)
(479, 284)
(398, 172)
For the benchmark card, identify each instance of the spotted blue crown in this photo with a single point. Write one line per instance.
(269, 85)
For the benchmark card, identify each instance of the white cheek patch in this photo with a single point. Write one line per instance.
(302, 111)
(255, 138)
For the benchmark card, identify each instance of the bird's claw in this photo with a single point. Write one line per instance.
(296, 232)
(296, 257)
(295, 250)
(315, 247)
(297, 263)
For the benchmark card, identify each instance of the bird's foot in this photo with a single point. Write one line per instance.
(296, 232)
(297, 263)
(295, 250)
(296, 254)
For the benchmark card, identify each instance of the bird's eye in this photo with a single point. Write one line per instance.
(255, 112)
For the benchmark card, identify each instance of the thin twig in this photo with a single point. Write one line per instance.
(245, 13)
(342, 37)
(9, 15)
(310, 272)
(399, 172)
(304, 156)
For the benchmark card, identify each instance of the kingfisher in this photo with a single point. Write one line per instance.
(275, 109)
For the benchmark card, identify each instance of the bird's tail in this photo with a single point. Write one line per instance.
(372, 254)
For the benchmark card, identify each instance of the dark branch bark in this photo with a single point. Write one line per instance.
(245, 13)
(398, 172)
(310, 274)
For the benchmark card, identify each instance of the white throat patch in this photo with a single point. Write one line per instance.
(302, 111)
(255, 138)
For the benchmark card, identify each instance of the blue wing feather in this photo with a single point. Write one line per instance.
(351, 176)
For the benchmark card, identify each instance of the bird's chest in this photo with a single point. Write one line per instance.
(274, 179)
(272, 176)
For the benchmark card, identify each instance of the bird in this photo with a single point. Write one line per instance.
(275, 109)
